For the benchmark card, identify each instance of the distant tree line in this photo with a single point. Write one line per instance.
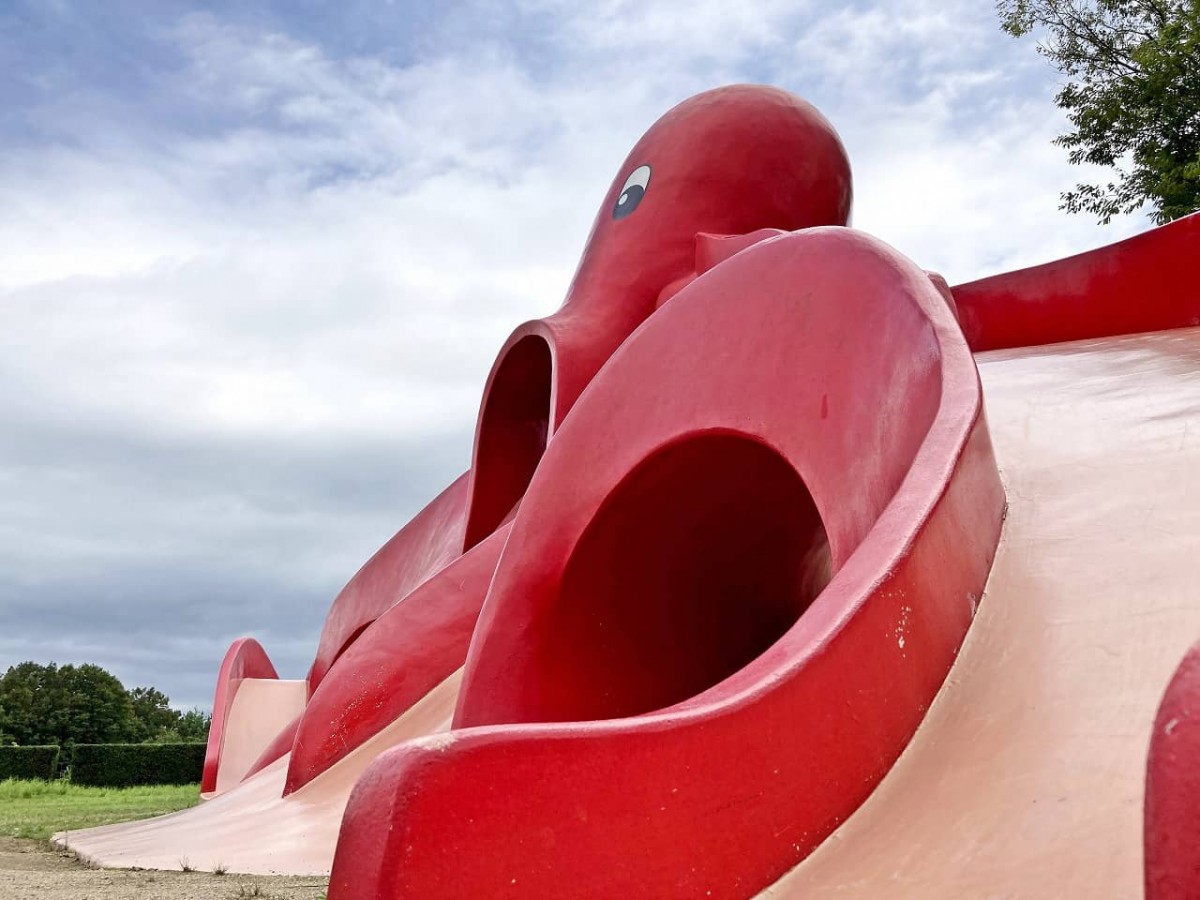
(50, 704)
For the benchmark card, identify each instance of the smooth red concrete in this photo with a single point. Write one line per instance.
(414, 645)
(1026, 779)
(245, 658)
(427, 544)
(638, 575)
(703, 556)
(1173, 789)
(1145, 283)
(733, 160)
(728, 161)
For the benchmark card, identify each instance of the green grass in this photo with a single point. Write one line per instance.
(37, 809)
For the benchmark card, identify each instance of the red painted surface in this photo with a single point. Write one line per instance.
(712, 249)
(1145, 283)
(728, 161)
(413, 647)
(712, 721)
(737, 159)
(731, 160)
(245, 658)
(1173, 789)
(421, 548)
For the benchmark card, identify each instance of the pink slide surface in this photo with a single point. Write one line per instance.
(255, 828)
(1026, 778)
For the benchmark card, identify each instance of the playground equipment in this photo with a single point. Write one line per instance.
(781, 567)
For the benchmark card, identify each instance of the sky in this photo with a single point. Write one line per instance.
(257, 258)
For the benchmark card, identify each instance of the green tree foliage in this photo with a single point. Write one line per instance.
(152, 710)
(98, 709)
(188, 727)
(1132, 95)
(193, 725)
(55, 705)
(5, 738)
(49, 704)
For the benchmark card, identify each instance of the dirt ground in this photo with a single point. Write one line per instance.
(33, 870)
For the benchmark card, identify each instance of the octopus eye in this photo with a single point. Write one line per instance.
(632, 192)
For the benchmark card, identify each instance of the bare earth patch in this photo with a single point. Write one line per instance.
(33, 870)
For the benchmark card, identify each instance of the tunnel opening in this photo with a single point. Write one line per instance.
(512, 435)
(701, 559)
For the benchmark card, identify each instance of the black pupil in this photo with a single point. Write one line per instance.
(628, 201)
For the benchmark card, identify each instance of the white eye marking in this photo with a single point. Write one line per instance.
(632, 192)
(639, 176)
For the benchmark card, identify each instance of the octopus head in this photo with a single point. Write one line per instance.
(728, 161)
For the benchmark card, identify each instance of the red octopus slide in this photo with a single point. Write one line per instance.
(388, 653)
(745, 593)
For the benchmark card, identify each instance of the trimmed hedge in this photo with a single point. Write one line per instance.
(34, 761)
(124, 765)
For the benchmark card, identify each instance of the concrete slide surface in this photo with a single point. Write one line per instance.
(262, 707)
(251, 829)
(1026, 778)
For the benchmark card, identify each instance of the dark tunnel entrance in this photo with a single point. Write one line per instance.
(512, 435)
(704, 556)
